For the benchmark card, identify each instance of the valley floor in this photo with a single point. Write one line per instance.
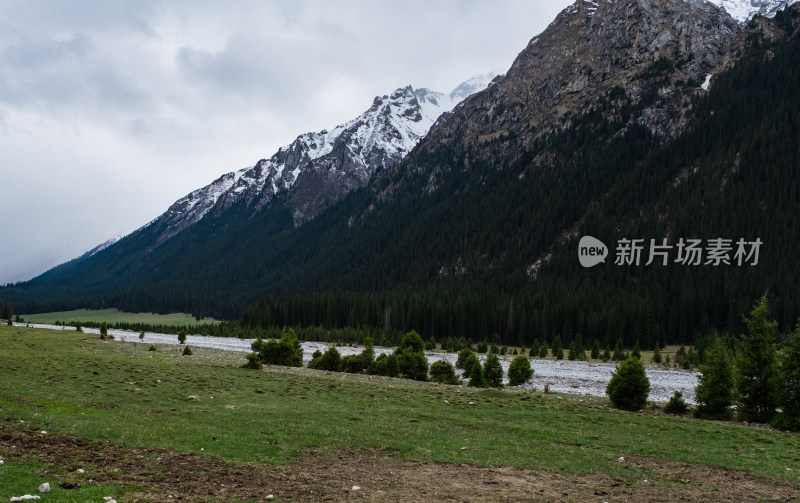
(334, 474)
(97, 418)
(560, 376)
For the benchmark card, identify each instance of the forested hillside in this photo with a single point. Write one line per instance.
(489, 251)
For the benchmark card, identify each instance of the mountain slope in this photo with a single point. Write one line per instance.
(474, 232)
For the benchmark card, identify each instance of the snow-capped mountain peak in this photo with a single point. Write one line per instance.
(744, 10)
(318, 169)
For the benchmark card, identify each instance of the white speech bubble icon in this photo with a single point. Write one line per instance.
(591, 251)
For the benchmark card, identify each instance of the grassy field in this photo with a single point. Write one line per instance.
(116, 316)
(77, 385)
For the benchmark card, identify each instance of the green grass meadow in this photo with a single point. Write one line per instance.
(76, 384)
(116, 316)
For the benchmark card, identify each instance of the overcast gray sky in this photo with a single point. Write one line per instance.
(112, 110)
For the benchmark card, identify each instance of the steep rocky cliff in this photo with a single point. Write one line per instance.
(659, 53)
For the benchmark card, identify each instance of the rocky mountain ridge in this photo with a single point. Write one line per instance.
(318, 169)
(652, 54)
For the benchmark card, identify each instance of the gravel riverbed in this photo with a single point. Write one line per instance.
(561, 376)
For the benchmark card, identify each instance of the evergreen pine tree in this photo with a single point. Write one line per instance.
(519, 371)
(629, 386)
(461, 362)
(543, 350)
(572, 352)
(619, 353)
(636, 353)
(789, 377)
(656, 355)
(595, 350)
(535, 347)
(493, 372)
(714, 393)
(476, 379)
(557, 348)
(755, 366)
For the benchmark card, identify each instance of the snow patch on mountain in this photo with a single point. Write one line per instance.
(103, 246)
(744, 10)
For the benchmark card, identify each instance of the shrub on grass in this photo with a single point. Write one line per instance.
(330, 360)
(443, 372)
(520, 371)
(187, 351)
(412, 365)
(385, 365)
(182, 336)
(461, 362)
(411, 361)
(676, 404)
(286, 351)
(253, 360)
(629, 386)
(469, 363)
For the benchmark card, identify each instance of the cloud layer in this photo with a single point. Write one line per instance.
(110, 111)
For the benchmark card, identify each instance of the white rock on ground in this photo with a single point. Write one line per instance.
(24, 498)
(44, 488)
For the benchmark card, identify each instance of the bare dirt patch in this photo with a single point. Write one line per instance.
(326, 474)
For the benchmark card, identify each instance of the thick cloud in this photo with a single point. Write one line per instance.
(110, 111)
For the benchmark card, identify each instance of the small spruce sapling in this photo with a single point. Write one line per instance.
(629, 387)
(676, 404)
(476, 379)
(493, 372)
(520, 371)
